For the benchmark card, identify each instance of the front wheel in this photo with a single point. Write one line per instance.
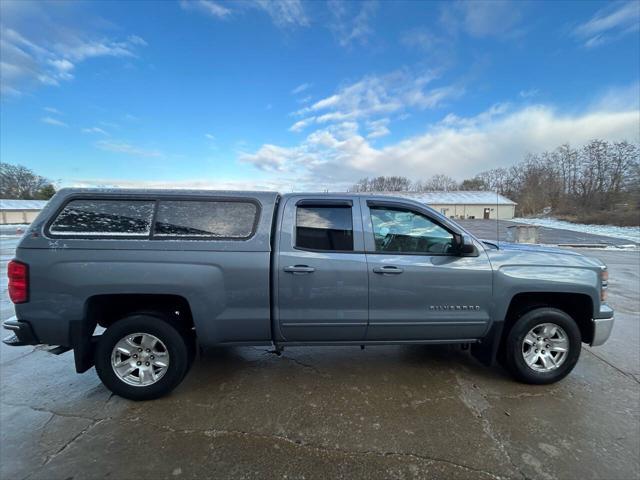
(142, 357)
(543, 346)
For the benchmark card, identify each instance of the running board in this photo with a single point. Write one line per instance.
(360, 343)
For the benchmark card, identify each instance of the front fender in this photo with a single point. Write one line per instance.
(512, 280)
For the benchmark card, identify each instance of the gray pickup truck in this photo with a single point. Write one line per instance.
(158, 272)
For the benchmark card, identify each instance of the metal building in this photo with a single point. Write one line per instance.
(20, 211)
(467, 204)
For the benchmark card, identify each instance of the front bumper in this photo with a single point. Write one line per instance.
(21, 333)
(602, 325)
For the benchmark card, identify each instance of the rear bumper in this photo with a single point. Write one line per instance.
(21, 333)
(602, 325)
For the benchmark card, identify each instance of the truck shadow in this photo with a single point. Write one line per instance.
(223, 364)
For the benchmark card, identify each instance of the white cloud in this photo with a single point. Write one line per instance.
(273, 158)
(206, 6)
(284, 13)
(38, 47)
(328, 102)
(501, 139)
(212, 142)
(55, 111)
(300, 88)
(377, 95)
(334, 147)
(335, 156)
(378, 128)
(349, 28)
(81, 50)
(433, 49)
(483, 118)
(301, 124)
(127, 149)
(53, 121)
(610, 23)
(619, 98)
(136, 40)
(421, 39)
(95, 130)
(532, 92)
(483, 18)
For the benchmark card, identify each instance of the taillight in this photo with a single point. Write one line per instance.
(18, 274)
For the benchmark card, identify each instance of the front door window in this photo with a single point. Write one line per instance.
(404, 231)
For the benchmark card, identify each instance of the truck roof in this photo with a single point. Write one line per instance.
(242, 193)
(264, 196)
(164, 191)
(259, 194)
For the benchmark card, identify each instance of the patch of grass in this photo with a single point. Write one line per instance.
(625, 217)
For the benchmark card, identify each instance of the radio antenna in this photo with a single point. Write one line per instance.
(497, 220)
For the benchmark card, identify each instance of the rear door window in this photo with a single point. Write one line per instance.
(102, 218)
(324, 228)
(202, 219)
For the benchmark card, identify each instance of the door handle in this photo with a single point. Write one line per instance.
(388, 269)
(299, 269)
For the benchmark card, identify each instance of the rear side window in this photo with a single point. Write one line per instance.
(324, 228)
(104, 218)
(221, 219)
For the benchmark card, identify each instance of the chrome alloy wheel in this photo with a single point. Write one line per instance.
(140, 359)
(545, 347)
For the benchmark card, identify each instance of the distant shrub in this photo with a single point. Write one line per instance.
(626, 217)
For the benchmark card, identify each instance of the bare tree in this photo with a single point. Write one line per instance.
(437, 183)
(592, 178)
(474, 184)
(382, 184)
(20, 182)
(623, 159)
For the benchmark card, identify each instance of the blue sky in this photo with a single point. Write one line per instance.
(308, 95)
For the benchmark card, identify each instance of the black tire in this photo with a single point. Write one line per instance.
(513, 357)
(177, 346)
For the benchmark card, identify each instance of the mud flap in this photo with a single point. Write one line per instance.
(81, 337)
(486, 350)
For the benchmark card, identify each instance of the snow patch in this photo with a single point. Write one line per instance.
(626, 233)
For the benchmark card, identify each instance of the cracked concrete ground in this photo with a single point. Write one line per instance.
(385, 412)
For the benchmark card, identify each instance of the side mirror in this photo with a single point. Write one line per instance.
(464, 245)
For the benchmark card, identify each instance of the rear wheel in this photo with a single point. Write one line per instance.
(142, 357)
(543, 346)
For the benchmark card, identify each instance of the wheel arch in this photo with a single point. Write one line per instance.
(578, 306)
(105, 309)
